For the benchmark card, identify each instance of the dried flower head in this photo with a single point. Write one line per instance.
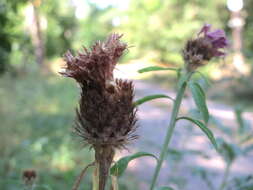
(207, 45)
(106, 117)
(29, 177)
(96, 64)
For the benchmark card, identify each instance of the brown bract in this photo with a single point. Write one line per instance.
(197, 53)
(96, 64)
(207, 45)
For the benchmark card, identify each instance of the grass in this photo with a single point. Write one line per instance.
(37, 113)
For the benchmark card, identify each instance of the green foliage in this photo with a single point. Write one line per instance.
(37, 112)
(61, 27)
(240, 140)
(156, 68)
(228, 151)
(120, 166)
(164, 188)
(200, 100)
(10, 23)
(203, 127)
(241, 183)
(161, 27)
(240, 121)
(151, 97)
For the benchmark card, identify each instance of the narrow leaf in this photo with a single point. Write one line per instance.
(156, 68)
(200, 100)
(228, 151)
(248, 149)
(151, 97)
(203, 127)
(240, 121)
(120, 166)
(183, 79)
(164, 188)
(207, 82)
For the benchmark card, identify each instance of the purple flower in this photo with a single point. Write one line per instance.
(217, 38)
(208, 44)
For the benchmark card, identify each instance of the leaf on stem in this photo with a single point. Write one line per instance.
(120, 166)
(156, 68)
(204, 128)
(151, 97)
(207, 82)
(239, 118)
(200, 100)
(164, 188)
(248, 149)
(228, 151)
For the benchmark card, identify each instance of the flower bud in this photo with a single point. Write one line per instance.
(207, 45)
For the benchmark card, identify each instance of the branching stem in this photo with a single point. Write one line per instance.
(171, 128)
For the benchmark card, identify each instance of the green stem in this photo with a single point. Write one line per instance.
(115, 185)
(171, 127)
(80, 177)
(95, 177)
(225, 177)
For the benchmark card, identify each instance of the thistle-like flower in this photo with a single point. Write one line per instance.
(106, 116)
(207, 45)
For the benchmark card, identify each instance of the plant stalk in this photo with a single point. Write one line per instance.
(171, 128)
(115, 185)
(80, 177)
(95, 177)
(225, 177)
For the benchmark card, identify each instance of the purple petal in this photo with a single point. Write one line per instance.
(219, 54)
(216, 34)
(205, 29)
(220, 42)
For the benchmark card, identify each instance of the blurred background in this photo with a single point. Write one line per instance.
(37, 106)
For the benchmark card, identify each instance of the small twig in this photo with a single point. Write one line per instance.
(79, 179)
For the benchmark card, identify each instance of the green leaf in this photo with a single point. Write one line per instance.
(164, 188)
(203, 127)
(228, 151)
(246, 138)
(239, 119)
(156, 68)
(151, 97)
(200, 100)
(248, 149)
(217, 123)
(241, 183)
(207, 82)
(175, 154)
(183, 79)
(120, 166)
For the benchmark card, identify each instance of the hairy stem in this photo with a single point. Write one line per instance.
(104, 158)
(80, 177)
(171, 127)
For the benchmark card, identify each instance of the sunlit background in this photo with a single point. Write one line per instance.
(37, 106)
